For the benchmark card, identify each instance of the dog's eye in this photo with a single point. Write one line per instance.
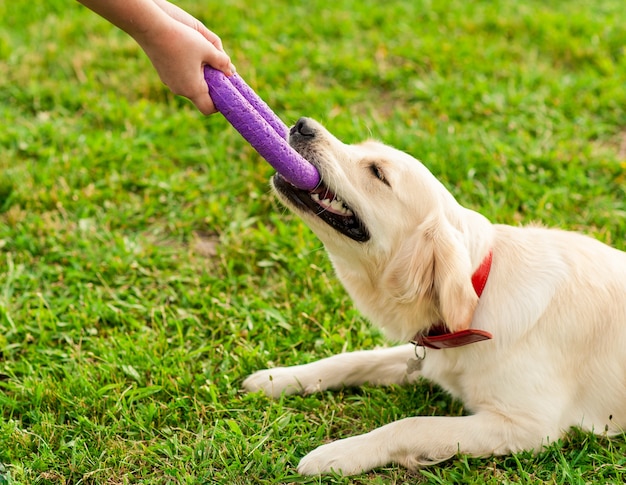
(378, 173)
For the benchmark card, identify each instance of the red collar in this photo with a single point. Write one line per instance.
(479, 278)
(439, 336)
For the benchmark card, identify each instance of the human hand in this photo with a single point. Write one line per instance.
(179, 45)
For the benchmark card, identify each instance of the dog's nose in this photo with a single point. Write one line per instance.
(303, 127)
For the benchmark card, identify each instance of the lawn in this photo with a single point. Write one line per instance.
(145, 268)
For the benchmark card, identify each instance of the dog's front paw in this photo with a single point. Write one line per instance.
(350, 456)
(273, 382)
(281, 380)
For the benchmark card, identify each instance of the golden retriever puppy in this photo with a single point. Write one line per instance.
(415, 262)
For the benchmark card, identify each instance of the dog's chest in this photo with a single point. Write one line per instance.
(399, 320)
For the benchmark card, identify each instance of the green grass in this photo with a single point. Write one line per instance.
(145, 269)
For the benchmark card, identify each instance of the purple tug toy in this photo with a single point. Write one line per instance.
(260, 126)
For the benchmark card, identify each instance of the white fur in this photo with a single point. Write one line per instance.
(555, 302)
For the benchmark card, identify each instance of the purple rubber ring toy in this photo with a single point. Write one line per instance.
(260, 127)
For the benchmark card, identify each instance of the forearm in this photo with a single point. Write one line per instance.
(135, 17)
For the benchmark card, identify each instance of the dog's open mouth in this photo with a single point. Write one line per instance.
(326, 205)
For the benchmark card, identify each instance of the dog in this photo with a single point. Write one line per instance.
(525, 325)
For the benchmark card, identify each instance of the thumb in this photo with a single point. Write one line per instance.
(219, 60)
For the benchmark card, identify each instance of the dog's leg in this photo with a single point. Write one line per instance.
(420, 441)
(378, 367)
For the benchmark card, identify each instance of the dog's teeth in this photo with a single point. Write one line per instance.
(335, 205)
(339, 207)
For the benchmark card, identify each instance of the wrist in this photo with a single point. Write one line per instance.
(148, 25)
(135, 17)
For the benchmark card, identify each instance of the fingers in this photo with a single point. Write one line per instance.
(217, 57)
(212, 37)
(204, 103)
(184, 18)
(181, 52)
(218, 60)
(221, 61)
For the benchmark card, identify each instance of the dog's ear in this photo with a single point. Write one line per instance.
(453, 278)
(433, 267)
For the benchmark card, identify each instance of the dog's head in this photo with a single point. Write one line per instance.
(384, 217)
